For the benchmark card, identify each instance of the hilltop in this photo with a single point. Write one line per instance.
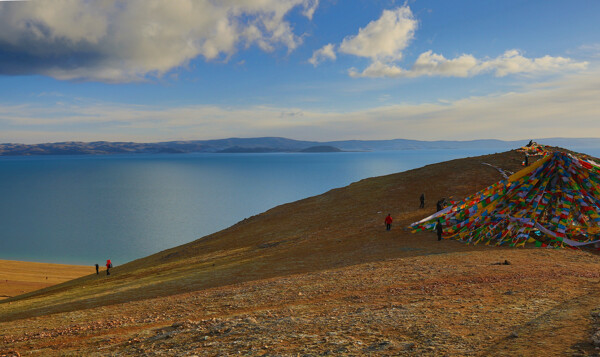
(322, 276)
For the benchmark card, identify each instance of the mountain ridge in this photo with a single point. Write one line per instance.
(268, 144)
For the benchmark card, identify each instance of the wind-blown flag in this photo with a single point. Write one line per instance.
(555, 202)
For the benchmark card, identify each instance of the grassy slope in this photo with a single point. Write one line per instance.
(339, 228)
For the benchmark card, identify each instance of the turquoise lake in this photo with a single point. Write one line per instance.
(86, 209)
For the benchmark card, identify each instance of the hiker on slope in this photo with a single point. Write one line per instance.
(388, 222)
(422, 198)
(439, 229)
(108, 266)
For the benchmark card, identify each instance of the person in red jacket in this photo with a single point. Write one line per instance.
(388, 222)
(108, 266)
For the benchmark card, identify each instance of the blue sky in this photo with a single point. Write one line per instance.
(157, 70)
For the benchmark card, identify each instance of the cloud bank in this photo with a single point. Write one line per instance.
(120, 41)
(510, 62)
(569, 107)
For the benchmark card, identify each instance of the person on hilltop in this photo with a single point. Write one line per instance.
(97, 269)
(108, 266)
(422, 198)
(388, 222)
(439, 229)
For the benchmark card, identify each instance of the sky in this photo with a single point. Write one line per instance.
(162, 70)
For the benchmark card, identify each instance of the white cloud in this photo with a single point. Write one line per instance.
(378, 69)
(118, 41)
(429, 63)
(511, 62)
(309, 8)
(326, 52)
(567, 107)
(384, 38)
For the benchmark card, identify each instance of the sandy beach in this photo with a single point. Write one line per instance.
(18, 277)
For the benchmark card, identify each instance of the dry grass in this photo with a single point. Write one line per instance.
(17, 278)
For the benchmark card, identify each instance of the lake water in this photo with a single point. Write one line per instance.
(86, 209)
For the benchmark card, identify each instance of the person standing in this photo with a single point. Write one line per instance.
(422, 198)
(97, 269)
(388, 222)
(108, 266)
(439, 229)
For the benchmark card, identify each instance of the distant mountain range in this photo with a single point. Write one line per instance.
(260, 149)
(272, 144)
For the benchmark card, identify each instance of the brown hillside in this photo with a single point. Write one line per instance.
(322, 274)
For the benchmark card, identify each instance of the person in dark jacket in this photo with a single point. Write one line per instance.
(422, 198)
(97, 269)
(439, 229)
(388, 222)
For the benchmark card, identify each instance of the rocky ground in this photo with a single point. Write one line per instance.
(350, 289)
(455, 304)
